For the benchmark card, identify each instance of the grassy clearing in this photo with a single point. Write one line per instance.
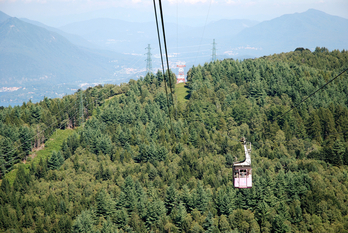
(54, 143)
(110, 98)
(181, 92)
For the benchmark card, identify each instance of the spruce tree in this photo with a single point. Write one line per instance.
(84, 223)
(201, 199)
(104, 204)
(314, 127)
(55, 161)
(180, 215)
(170, 199)
(338, 153)
(108, 227)
(208, 225)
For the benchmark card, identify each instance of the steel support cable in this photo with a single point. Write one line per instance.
(168, 68)
(160, 47)
(206, 20)
(310, 95)
(165, 48)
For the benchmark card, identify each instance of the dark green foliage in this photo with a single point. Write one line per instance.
(208, 224)
(84, 223)
(22, 181)
(105, 205)
(200, 197)
(124, 171)
(65, 224)
(170, 199)
(151, 153)
(55, 161)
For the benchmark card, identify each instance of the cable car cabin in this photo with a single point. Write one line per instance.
(242, 170)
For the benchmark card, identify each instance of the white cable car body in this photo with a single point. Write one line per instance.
(242, 171)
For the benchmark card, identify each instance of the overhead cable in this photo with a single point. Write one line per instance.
(310, 95)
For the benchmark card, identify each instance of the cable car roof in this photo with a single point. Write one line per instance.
(247, 161)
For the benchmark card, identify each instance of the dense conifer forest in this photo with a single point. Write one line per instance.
(129, 167)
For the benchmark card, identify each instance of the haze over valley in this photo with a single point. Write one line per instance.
(38, 60)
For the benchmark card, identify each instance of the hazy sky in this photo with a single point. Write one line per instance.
(51, 12)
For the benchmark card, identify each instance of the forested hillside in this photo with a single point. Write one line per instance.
(129, 167)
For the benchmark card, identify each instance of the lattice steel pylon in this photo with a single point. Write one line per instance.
(213, 55)
(181, 76)
(148, 60)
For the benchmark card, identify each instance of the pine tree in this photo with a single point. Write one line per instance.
(84, 223)
(187, 199)
(314, 127)
(193, 138)
(28, 220)
(224, 225)
(328, 125)
(55, 161)
(21, 181)
(120, 218)
(278, 225)
(25, 136)
(65, 223)
(262, 213)
(5, 186)
(180, 215)
(208, 225)
(109, 227)
(66, 150)
(338, 153)
(170, 199)
(201, 199)
(104, 204)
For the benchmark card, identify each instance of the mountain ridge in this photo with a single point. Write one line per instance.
(307, 29)
(36, 62)
(75, 39)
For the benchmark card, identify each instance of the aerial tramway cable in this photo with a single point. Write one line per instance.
(206, 20)
(160, 47)
(165, 48)
(310, 95)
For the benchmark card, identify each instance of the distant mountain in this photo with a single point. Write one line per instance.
(133, 37)
(228, 27)
(118, 35)
(3, 16)
(75, 39)
(308, 29)
(33, 60)
(31, 52)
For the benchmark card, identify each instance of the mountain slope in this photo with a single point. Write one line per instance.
(35, 62)
(308, 29)
(133, 167)
(228, 28)
(3, 16)
(75, 39)
(31, 52)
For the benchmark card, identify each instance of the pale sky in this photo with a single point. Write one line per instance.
(52, 12)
